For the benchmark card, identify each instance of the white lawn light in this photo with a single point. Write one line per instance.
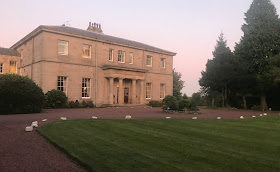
(94, 117)
(35, 122)
(127, 117)
(241, 117)
(253, 116)
(44, 120)
(28, 128)
(219, 118)
(261, 114)
(35, 125)
(63, 118)
(194, 117)
(168, 117)
(264, 114)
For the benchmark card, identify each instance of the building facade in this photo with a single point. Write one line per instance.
(89, 65)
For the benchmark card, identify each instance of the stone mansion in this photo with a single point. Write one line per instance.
(90, 65)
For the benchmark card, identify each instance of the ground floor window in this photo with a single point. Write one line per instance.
(13, 67)
(86, 87)
(62, 84)
(148, 90)
(1, 67)
(162, 91)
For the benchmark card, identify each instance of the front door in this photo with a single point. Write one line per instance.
(126, 93)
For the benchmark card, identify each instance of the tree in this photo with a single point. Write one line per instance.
(19, 94)
(178, 84)
(260, 42)
(220, 70)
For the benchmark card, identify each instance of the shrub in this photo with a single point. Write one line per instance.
(55, 99)
(257, 108)
(77, 104)
(19, 94)
(87, 104)
(71, 104)
(193, 107)
(155, 103)
(170, 103)
(184, 104)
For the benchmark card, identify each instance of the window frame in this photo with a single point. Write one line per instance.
(64, 80)
(131, 58)
(65, 53)
(149, 65)
(15, 62)
(121, 55)
(150, 91)
(164, 88)
(111, 55)
(164, 59)
(88, 88)
(21, 54)
(89, 47)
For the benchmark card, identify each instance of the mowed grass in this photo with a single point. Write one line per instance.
(170, 144)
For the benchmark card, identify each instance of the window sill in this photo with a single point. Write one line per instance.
(85, 97)
(86, 57)
(149, 65)
(148, 98)
(110, 60)
(121, 62)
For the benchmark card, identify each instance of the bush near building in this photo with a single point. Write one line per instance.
(154, 103)
(55, 99)
(178, 104)
(19, 94)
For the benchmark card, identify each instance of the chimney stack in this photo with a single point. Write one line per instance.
(95, 27)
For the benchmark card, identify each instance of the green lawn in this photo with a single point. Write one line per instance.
(170, 144)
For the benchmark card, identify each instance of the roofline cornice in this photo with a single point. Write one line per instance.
(40, 29)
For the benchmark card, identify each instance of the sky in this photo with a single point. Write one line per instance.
(188, 27)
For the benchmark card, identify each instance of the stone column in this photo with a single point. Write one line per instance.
(133, 91)
(121, 89)
(111, 90)
(142, 92)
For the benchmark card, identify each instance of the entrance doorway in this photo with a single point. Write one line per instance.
(126, 93)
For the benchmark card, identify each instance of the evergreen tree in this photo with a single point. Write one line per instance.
(260, 42)
(219, 71)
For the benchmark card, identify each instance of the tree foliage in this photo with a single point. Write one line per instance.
(178, 84)
(19, 94)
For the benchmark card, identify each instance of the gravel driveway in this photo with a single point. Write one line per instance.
(28, 151)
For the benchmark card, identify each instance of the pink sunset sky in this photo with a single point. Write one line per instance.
(189, 28)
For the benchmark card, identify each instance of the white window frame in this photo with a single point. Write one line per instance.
(1, 68)
(86, 89)
(62, 44)
(149, 65)
(148, 92)
(161, 96)
(62, 87)
(121, 55)
(86, 46)
(15, 62)
(163, 62)
(131, 56)
(111, 54)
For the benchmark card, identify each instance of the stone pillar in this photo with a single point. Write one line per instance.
(142, 92)
(111, 90)
(121, 89)
(133, 91)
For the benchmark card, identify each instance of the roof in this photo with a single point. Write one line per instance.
(9, 52)
(96, 36)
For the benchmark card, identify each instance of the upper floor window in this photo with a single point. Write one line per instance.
(111, 55)
(62, 84)
(1, 67)
(148, 90)
(86, 88)
(149, 61)
(13, 67)
(130, 58)
(86, 51)
(162, 91)
(121, 56)
(62, 47)
(162, 62)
